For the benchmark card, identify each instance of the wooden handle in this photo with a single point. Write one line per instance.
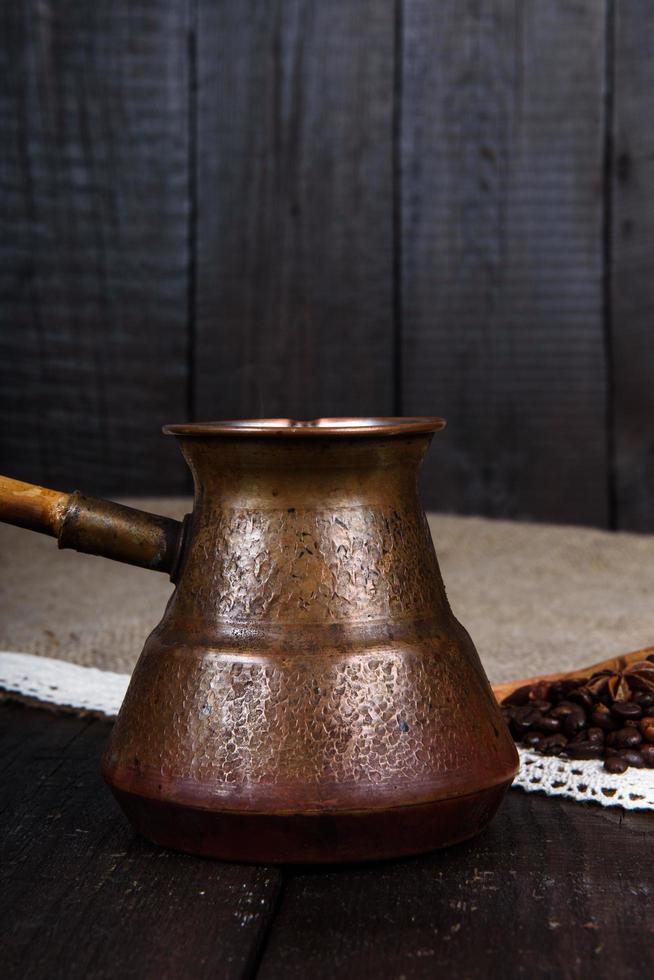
(96, 527)
(36, 508)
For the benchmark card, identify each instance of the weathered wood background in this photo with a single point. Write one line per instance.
(292, 207)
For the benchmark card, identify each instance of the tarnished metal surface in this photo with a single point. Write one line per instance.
(308, 662)
(308, 673)
(96, 527)
(312, 565)
(101, 527)
(387, 725)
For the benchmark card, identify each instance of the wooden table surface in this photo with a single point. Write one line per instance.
(552, 889)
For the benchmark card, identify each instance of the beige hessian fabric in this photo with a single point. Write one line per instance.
(535, 598)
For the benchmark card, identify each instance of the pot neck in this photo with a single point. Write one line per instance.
(306, 533)
(274, 473)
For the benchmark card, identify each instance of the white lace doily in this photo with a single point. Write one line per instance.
(586, 781)
(58, 682)
(101, 692)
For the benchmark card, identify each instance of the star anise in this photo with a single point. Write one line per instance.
(621, 684)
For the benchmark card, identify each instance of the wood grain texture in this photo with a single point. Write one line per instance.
(552, 888)
(295, 229)
(303, 208)
(93, 255)
(83, 897)
(501, 199)
(632, 252)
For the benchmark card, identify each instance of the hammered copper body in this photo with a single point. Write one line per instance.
(308, 695)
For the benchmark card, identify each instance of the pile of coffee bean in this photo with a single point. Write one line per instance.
(608, 716)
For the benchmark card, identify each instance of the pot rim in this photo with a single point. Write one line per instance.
(347, 425)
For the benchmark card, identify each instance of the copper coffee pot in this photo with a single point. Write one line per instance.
(308, 694)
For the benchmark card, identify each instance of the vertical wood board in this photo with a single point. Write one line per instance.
(501, 196)
(94, 250)
(294, 196)
(632, 251)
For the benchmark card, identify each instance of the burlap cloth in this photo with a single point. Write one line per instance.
(535, 598)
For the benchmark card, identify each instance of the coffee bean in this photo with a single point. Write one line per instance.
(531, 716)
(627, 709)
(646, 729)
(584, 750)
(573, 724)
(625, 738)
(562, 710)
(632, 758)
(602, 718)
(565, 717)
(553, 745)
(519, 696)
(582, 697)
(548, 724)
(523, 719)
(615, 764)
(560, 689)
(566, 707)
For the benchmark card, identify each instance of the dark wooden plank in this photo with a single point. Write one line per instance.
(93, 252)
(553, 888)
(632, 244)
(295, 222)
(82, 896)
(501, 195)
(30, 750)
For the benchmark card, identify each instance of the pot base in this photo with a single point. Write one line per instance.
(314, 838)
